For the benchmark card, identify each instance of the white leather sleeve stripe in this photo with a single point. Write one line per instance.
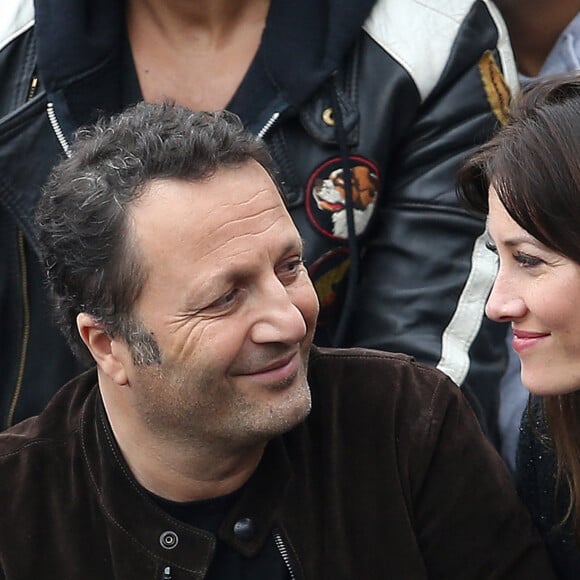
(506, 55)
(16, 16)
(466, 321)
(419, 34)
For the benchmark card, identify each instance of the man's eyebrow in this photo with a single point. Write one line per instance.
(296, 244)
(215, 281)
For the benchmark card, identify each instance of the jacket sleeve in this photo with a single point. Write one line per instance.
(468, 518)
(426, 274)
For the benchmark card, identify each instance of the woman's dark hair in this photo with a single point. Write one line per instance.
(533, 164)
(92, 263)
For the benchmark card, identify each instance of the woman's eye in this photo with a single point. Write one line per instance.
(526, 260)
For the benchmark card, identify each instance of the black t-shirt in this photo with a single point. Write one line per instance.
(227, 563)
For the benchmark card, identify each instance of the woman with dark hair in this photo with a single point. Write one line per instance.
(545, 37)
(527, 179)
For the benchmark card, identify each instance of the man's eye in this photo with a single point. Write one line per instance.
(289, 270)
(226, 300)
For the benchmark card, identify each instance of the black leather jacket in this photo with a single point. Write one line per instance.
(392, 95)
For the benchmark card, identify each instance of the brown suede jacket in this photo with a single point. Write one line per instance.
(389, 477)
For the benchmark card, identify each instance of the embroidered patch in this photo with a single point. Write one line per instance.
(496, 88)
(329, 275)
(326, 196)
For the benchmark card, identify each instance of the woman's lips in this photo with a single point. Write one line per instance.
(525, 339)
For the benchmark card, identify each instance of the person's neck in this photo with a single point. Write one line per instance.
(212, 20)
(183, 474)
(534, 28)
(178, 469)
(175, 43)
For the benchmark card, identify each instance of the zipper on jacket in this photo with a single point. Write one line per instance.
(25, 302)
(57, 129)
(25, 332)
(33, 87)
(269, 124)
(23, 266)
(283, 552)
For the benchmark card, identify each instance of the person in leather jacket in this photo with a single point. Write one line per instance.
(367, 107)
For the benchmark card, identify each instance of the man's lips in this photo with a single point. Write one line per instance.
(524, 339)
(285, 365)
(277, 364)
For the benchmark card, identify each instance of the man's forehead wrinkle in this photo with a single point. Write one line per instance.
(238, 252)
(251, 249)
(258, 215)
(259, 199)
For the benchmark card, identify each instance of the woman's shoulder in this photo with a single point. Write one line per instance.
(545, 497)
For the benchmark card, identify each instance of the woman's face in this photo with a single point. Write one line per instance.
(538, 291)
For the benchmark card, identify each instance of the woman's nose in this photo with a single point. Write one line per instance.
(504, 303)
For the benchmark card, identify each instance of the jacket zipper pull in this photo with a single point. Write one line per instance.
(33, 87)
(166, 573)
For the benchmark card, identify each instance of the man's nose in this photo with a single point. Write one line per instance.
(504, 303)
(278, 318)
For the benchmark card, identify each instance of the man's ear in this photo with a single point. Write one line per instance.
(111, 355)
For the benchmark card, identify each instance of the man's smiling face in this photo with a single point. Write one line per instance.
(230, 306)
